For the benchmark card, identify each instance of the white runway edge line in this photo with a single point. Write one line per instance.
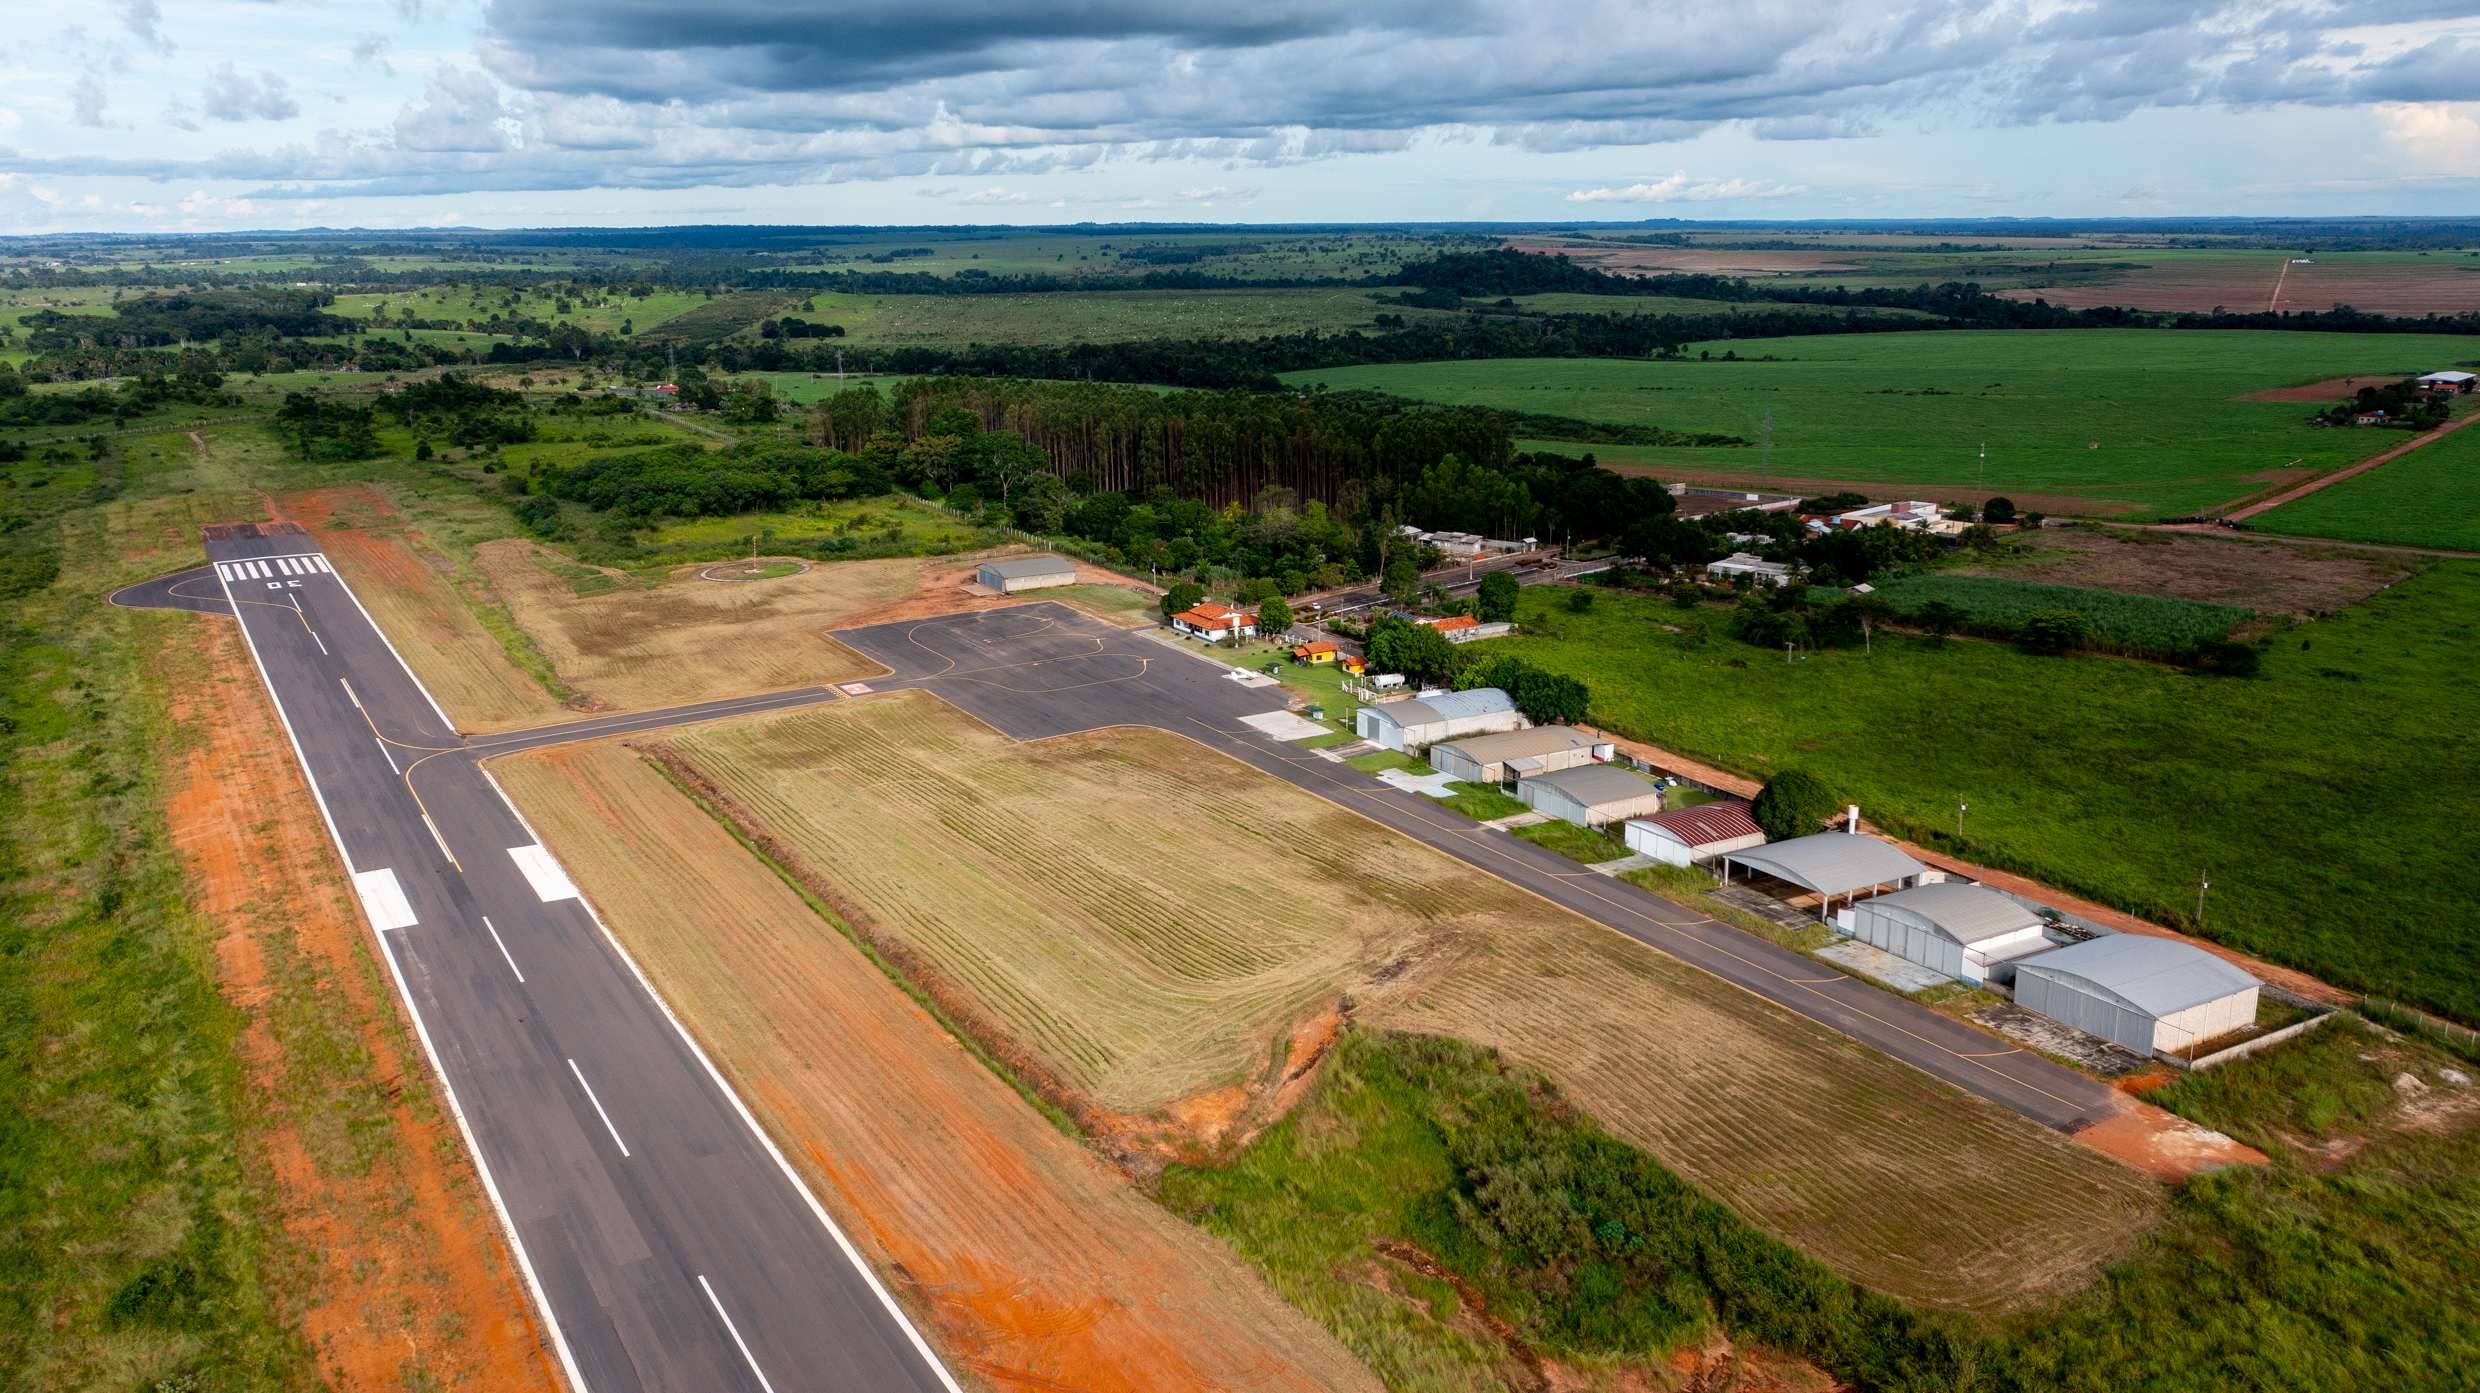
(748, 1119)
(736, 1333)
(598, 1107)
(421, 1028)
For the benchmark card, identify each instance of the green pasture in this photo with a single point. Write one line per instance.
(2428, 498)
(2155, 624)
(1884, 412)
(2322, 799)
(1104, 316)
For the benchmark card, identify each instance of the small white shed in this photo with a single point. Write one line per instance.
(2139, 991)
(1965, 931)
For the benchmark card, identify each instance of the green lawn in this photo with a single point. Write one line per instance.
(1860, 407)
(1391, 759)
(1482, 802)
(2325, 800)
(2428, 498)
(1573, 842)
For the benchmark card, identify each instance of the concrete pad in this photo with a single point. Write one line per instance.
(1879, 965)
(1435, 785)
(2033, 1030)
(1634, 862)
(1283, 725)
(1512, 821)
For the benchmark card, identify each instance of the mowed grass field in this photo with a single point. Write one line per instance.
(1100, 316)
(2320, 798)
(1149, 922)
(1888, 410)
(2428, 498)
(1026, 1260)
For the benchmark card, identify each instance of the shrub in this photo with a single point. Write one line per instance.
(1794, 803)
(1182, 596)
(2230, 659)
(2054, 630)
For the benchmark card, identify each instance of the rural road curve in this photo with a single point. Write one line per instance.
(663, 1236)
(1041, 670)
(2329, 480)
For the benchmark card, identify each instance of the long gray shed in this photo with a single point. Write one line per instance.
(1026, 573)
(1412, 725)
(1830, 863)
(2142, 992)
(1964, 931)
(1493, 759)
(1591, 796)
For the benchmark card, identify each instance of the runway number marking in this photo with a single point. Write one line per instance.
(598, 1107)
(384, 899)
(512, 962)
(736, 1334)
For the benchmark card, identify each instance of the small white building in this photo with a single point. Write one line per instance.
(1756, 568)
(1415, 725)
(2135, 990)
(1692, 836)
(2456, 381)
(1591, 796)
(1026, 573)
(1966, 931)
(1494, 759)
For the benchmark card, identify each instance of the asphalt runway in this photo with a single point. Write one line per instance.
(1040, 670)
(664, 1237)
(662, 1234)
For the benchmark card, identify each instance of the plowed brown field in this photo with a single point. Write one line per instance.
(2266, 281)
(1150, 923)
(1027, 1260)
(393, 1263)
(411, 598)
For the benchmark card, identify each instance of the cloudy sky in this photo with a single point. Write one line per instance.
(209, 114)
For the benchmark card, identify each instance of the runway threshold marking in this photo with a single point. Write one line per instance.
(736, 1333)
(598, 1107)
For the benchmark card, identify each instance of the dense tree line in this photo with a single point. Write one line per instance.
(21, 408)
(686, 480)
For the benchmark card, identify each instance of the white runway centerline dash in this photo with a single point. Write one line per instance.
(736, 1334)
(598, 1106)
(512, 967)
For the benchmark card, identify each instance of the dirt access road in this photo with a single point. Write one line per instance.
(1039, 670)
(2362, 467)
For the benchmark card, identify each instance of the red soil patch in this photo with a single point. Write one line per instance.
(391, 1261)
(2164, 1145)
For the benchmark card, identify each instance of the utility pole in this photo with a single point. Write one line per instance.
(839, 367)
(1981, 480)
(1960, 805)
(1765, 453)
(2202, 885)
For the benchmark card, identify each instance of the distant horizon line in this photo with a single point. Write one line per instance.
(1880, 225)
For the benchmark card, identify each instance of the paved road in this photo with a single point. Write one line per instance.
(664, 1236)
(1042, 670)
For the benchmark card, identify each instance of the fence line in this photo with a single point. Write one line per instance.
(2459, 1039)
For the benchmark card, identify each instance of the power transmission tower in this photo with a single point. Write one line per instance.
(1765, 453)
